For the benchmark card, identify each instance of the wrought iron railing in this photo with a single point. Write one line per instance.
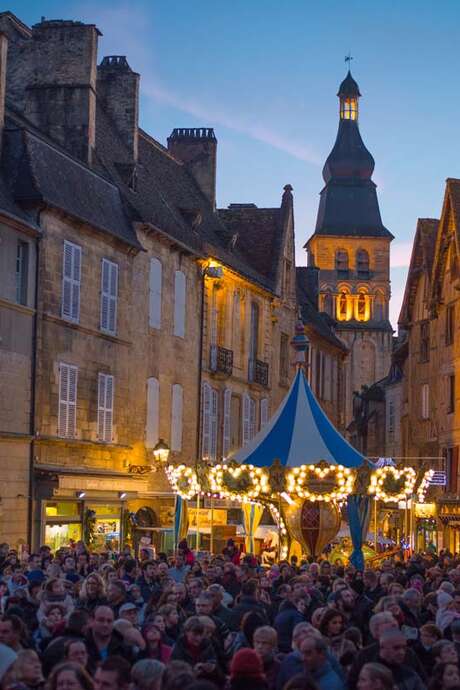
(258, 372)
(221, 360)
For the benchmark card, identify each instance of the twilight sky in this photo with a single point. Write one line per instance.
(264, 74)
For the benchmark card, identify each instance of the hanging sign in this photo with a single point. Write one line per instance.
(438, 478)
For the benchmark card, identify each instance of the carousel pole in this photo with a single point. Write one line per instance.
(375, 524)
(279, 527)
(197, 545)
(212, 526)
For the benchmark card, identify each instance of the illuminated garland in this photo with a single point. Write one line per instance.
(297, 482)
(282, 528)
(382, 474)
(246, 482)
(423, 488)
(183, 480)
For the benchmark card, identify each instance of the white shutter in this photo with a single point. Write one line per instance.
(176, 417)
(246, 418)
(227, 426)
(155, 282)
(67, 412)
(179, 304)
(263, 412)
(205, 420)
(214, 317)
(105, 408)
(71, 272)
(252, 419)
(152, 431)
(109, 294)
(214, 422)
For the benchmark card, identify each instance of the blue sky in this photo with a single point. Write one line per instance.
(264, 74)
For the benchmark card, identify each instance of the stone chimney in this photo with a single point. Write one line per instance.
(197, 149)
(60, 97)
(313, 279)
(118, 91)
(3, 58)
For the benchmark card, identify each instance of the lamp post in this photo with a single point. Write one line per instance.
(161, 452)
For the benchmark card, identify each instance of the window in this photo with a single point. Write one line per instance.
(361, 307)
(254, 332)
(452, 469)
(362, 263)
(451, 393)
(214, 423)
(152, 431)
(425, 341)
(214, 317)
(349, 109)
(284, 358)
(450, 323)
(176, 417)
(342, 307)
(341, 262)
(391, 419)
(155, 283)
(425, 401)
(263, 412)
(67, 412)
(71, 272)
(22, 270)
(105, 408)
(179, 304)
(379, 307)
(109, 294)
(209, 419)
(327, 303)
(227, 425)
(249, 419)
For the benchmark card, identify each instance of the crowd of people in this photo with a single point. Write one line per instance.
(78, 620)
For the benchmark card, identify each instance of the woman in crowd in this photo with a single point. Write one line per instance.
(155, 648)
(375, 676)
(70, 676)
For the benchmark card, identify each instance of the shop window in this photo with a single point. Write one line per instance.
(61, 535)
(106, 526)
(63, 509)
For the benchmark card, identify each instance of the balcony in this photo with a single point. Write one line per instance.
(258, 372)
(221, 360)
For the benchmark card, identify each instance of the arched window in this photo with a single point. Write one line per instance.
(327, 303)
(342, 306)
(341, 261)
(362, 306)
(362, 263)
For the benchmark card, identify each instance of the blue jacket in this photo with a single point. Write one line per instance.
(292, 665)
(284, 624)
(327, 679)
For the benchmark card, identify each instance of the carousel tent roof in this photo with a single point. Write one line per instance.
(299, 433)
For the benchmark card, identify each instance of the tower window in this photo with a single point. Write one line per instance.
(341, 262)
(342, 307)
(349, 109)
(327, 303)
(362, 263)
(361, 307)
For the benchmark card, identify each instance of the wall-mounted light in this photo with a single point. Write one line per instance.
(213, 270)
(81, 494)
(122, 495)
(161, 451)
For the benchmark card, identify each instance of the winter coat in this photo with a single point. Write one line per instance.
(246, 604)
(181, 652)
(284, 624)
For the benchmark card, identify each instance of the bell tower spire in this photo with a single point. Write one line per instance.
(349, 95)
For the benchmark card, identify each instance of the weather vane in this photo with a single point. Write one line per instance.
(349, 58)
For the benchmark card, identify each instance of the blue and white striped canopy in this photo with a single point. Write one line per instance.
(299, 433)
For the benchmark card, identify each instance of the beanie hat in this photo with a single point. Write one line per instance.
(7, 658)
(247, 664)
(443, 599)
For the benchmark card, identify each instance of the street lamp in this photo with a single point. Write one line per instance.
(161, 452)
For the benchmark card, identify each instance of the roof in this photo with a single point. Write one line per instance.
(299, 433)
(445, 235)
(421, 261)
(349, 87)
(320, 322)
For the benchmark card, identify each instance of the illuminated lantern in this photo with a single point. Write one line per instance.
(313, 524)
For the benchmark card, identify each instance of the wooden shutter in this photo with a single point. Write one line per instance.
(246, 419)
(105, 407)
(252, 418)
(155, 283)
(263, 412)
(214, 423)
(176, 417)
(227, 426)
(71, 273)
(109, 294)
(205, 420)
(153, 413)
(179, 304)
(67, 412)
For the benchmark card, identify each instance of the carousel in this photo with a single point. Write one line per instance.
(309, 477)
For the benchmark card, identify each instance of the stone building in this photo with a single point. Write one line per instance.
(351, 248)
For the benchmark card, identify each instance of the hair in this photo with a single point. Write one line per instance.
(146, 672)
(302, 681)
(327, 617)
(216, 589)
(371, 575)
(320, 643)
(381, 673)
(440, 645)
(166, 610)
(121, 666)
(268, 632)
(119, 584)
(70, 642)
(384, 603)
(48, 587)
(193, 623)
(377, 619)
(24, 656)
(354, 635)
(16, 623)
(251, 621)
(437, 674)
(249, 588)
(206, 620)
(177, 676)
(432, 630)
(100, 582)
(80, 674)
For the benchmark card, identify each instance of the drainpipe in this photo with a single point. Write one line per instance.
(200, 367)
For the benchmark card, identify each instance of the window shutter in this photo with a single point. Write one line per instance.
(100, 406)
(71, 272)
(176, 417)
(246, 419)
(214, 422)
(226, 437)
(252, 418)
(153, 413)
(105, 408)
(67, 413)
(206, 420)
(263, 412)
(109, 294)
(179, 304)
(155, 282)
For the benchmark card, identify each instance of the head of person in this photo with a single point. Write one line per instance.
(55, 586)
(92, 587)
(147, 674)
(249, 588)
(370, 579)
(374, 676)
(302, 630)
(345, 600)
(116, 591)
(114, 673)
(129, 612)
(412, 599)
(54, 615)
(445, 676)
(178, 675)
(381, 622)
(102, 622)
(246, 665)
(445, 651)
(430, 634)
(70, 676)
(265, 642)
(249, 624)
(314, 650)
(195, 587)
(76, 651)
(209, 627)
(194, 632)
(392, 647)
(159, 621)
(204, 604)
(11, 630)
(217, 592)
(28, 667)
(170, 615)
(152, 635)
(332, 623)
(179, 561)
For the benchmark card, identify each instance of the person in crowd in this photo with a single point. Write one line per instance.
(114, 673)
(193, 647)
(375, 676)
(392, 654)
(247, 671)
(265, 643)
(69, 675)
(92, 593)
(155, 648)
(445, 676)
(28, 670)
(147, 674)
(314, 652)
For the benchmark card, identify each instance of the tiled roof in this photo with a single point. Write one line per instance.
(422, 258)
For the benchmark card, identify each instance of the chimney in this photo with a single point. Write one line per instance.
(61, 94)
(3, 58)
(197, 149)
(313, 279)
(118, 91)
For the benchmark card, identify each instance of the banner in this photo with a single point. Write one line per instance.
(359, 515)
(252, 515)
(180, 520)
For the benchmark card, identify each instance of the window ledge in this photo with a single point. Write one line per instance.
(83, 329)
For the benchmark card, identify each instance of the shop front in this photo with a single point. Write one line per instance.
(449, 519)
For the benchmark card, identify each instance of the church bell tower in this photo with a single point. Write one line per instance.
(351, 249)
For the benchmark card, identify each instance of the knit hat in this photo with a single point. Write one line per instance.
(443, 599)
(7, 658)
(247, 664)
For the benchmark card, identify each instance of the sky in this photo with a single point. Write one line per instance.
(265, 75)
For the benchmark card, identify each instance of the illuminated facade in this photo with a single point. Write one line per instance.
(351, 248)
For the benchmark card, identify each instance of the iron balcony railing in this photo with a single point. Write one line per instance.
(221, 360)
(258, 372)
